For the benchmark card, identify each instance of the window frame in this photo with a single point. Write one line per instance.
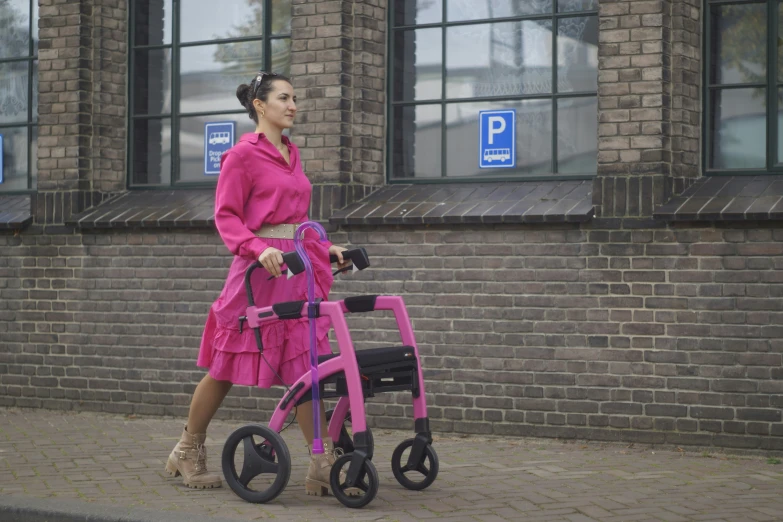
(771, 86)
(32, 94)
(175, 115)
(392, 104)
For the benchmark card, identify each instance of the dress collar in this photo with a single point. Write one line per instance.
(253, 137)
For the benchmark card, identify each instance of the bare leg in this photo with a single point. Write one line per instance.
(206, 400)
(304, 416)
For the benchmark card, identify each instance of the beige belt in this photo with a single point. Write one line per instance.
(283, 231)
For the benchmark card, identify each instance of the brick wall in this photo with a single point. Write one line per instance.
(668, 335)
(338, 68)
(649, 104)
(686, 93)
(81, 143)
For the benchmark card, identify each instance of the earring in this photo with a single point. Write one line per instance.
(262, 113)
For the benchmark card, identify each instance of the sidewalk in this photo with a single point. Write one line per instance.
(95, 467)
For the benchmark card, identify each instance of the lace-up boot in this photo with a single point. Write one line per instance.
(189, 459)
(317, 481)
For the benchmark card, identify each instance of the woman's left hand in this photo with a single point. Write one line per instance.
(335, 250)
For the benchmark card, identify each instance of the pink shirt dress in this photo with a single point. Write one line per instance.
(257, 187)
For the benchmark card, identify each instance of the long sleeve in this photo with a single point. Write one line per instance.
(231, 196)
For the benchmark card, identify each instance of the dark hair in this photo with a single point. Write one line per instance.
(259, 88)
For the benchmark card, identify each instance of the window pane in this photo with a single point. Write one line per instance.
(501, 59)
(152, 81)
(35, 91)
(151, 152)
(210, 74)
(191, 143)
(34, 157)
(416, 12)
(533, 138)
(577, 54)
(738, 134)
(14, 158)
(418, 59)
(576, 5)
(577, 136)
(780, 126)
(152, 22)
(281, 16)
(457, 10)
(205, 20)
(739, 43)
(281, 57)
(34, 29)
(13, 91)
(417, 142)
(14, 28)
(780, 43)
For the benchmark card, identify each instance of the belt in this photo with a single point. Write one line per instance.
(282, 231)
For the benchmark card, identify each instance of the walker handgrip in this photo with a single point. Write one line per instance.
(358, 256)
(293, 262)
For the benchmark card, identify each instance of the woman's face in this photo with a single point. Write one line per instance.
(280, 106)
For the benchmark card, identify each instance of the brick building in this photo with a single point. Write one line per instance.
(617, 278)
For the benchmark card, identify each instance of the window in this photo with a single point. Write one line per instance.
(452, 59)
(18, 94)
(744, 79)
(187, 59)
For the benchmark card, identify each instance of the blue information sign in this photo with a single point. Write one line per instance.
(497, 139)
(218, 138)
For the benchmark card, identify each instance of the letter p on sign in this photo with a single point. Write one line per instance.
(497, 125)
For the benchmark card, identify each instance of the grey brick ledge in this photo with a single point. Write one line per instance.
(15, 212)
(727, 198)
(473, 203)
(151, 209)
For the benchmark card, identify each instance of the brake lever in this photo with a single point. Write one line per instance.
(282, 272)
(343, 269)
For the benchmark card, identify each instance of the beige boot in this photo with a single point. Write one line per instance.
(189, 459)
(317, 481)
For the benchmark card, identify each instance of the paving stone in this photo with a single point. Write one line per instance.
(479, 480)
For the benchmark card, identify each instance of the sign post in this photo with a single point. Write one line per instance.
(218, 138)
(497, 139)
(1, 158)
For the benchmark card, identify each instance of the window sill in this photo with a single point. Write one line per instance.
(473, 203)
(15, 212)
(727, 198)
(151, 209)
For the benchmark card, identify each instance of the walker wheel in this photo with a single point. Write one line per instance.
(264, 462)
(367, 483)
(427, 467)
(346, 437)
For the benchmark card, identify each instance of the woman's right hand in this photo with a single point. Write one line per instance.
(272, 260)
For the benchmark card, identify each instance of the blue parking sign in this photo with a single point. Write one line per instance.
(497, 139)
(218, 138)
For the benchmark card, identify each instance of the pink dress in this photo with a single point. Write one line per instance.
(257, 187)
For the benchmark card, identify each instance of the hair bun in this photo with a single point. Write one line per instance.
(242, 94)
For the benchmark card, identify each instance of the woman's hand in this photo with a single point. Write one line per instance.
(272, 259)
(335, 250)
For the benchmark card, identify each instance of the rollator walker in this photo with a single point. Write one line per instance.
(256, 461)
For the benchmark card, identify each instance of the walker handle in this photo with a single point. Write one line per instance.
(358, 256)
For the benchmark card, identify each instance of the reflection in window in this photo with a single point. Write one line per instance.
(742, 80)
(18, 79)
(538, 57)
(179, 85)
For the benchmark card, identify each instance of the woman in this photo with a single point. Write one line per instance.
(261, 197)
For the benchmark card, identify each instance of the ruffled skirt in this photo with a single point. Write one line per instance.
(233, 356)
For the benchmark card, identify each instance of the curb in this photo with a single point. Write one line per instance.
(30, 509)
